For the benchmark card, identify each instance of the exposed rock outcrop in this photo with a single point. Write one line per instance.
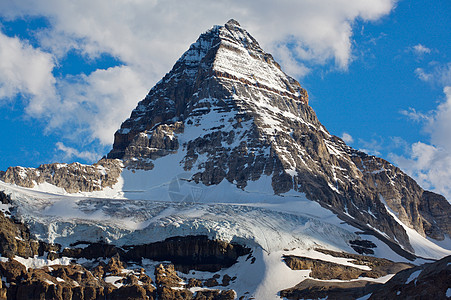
(74, 282)
(432, 280)
(186, 253)
(15, 237)
(72, 178)
(427, 281)
(150, 145)
(169, 286)
(77, 282)
(326, 270)
(314, 289)
(434, 211)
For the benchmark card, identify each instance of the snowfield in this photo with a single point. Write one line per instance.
(149, 206)
(146, 207)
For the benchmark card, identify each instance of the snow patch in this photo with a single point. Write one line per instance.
(366, 297)
(114, 280)
(39, 262)
(413, 276)
(422, 246)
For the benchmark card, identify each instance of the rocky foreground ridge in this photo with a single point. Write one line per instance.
(104, 271)
(428, 281)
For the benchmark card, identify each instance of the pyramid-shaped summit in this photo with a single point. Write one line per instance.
(226, 66)
(237, 97)
(227, 112)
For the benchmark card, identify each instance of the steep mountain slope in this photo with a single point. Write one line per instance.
(226, 146)
(254, 120)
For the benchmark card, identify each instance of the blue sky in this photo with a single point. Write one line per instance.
(378, 72)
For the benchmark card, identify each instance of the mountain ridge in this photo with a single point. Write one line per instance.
(251, 120)
(292, 134)
(224, 166)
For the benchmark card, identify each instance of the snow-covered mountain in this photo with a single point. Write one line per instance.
(226, 146)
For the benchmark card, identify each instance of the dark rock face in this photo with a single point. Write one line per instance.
(325, 270)
(186, 253)
(435, 215)
(190, 252)
(72, 178)
(362, 246)
(429, 281)
(314, 289)
(15, 237)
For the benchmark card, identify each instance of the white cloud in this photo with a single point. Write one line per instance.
(372, 147)
(430, 164)
(100, 101)
(413, 115)
(438, 74)
(347, 138)
(26, 71)
(288, 61)
(439, 125)
(70, 153)
(370, 151)
(397, 142)
(421, 50)
(422, 74)
(155, 33)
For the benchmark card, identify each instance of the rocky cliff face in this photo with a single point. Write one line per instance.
(427, 281)
(251, 119)
(431, 280)
(72, 178)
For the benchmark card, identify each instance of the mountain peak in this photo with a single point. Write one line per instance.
(225, 63)
(233, 22)
(227, 112)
